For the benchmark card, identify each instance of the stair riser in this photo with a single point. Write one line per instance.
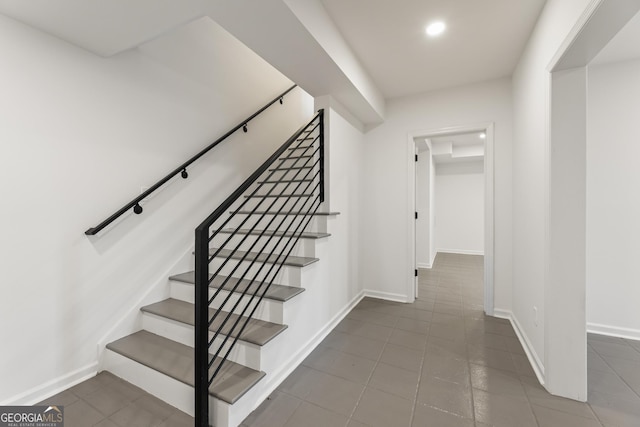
(288, 275)
(268, 310)
(266, 244)
(174, 392)
(317, 223)
(165, 388)
(244, 353)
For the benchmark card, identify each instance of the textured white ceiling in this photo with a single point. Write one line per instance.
(483, 41)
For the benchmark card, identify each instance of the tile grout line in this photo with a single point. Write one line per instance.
(353, 411)
(424, 353)
(615, 372)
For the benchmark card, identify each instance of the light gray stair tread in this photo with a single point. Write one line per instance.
(177, 361)
(304, 234)
(293, 261)
(246, 212)
(291, 168)
(265, 196)
(275, 292)
(284, 181)
(257, 332)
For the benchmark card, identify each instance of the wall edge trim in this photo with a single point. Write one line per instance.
(54, 386)
(534, 360)
(613, 331)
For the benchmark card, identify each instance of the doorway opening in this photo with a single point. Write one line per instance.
(451, 193)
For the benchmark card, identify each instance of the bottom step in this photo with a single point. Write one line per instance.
(177, 361)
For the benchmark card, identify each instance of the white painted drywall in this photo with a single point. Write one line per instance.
(530, 110)
(613, 202)
(459, 217)
(423, 200)
(80, 135)
(432, 210)
(384, 241)
(317, 21)
(565, 341)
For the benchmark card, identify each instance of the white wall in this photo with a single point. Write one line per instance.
(80, 135)
(613, 205)
(424, 234)
(530, 171)
(432, 210)
(386, 199)
(459, 206)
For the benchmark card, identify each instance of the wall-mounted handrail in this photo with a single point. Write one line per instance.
(182, 169)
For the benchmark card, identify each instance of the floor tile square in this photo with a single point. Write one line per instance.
(310, 415)
(426, 416)
(273, 412)
(394, 380)
(502, 411)
(335, 394)
(402, 357)
(408, 339)
(380, 409)
(446, 396)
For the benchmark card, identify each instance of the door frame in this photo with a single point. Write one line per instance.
(489, 218)
(565, 337)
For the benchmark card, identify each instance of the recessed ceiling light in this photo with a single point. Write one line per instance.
(436, 28)
(483, 135)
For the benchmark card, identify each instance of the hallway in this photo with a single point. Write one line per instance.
(438, 362)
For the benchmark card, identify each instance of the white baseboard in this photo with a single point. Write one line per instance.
(613, 331)
(386, 296)
(536, 363)
(424, 265)
(53, 387)
(275, 379)
(460, 251)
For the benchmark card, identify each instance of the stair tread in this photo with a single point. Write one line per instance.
(246, 212)
(291, 168)
(284, 181)
(258, 332)
(265, 196)
(276, 292)
(294, 261)
(176, 361)
(304, 234)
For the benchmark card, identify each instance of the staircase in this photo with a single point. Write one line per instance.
(233, 309)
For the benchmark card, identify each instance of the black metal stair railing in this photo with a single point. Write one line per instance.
(182, 169)
(280, 199)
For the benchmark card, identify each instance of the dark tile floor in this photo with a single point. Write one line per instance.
(438, 362)
(107, 401)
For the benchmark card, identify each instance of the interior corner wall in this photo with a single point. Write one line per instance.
(346, 182)
(613, 205)
(385, 246)
(531, 82)
(81, 135)
(459, 194)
